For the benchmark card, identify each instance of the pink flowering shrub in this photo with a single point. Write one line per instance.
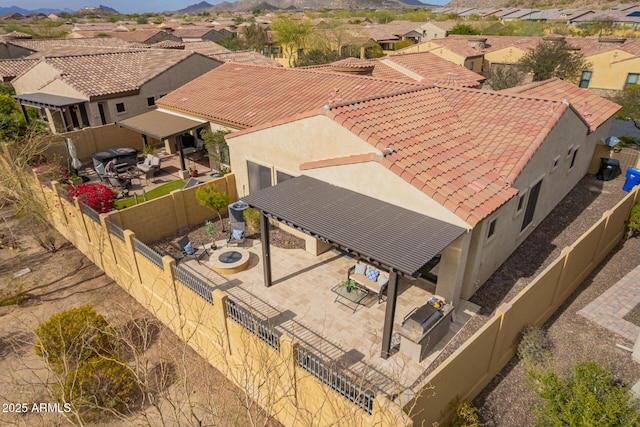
(98, 197)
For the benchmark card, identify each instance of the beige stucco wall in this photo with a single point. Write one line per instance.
(509, 55)
(608, 73)
(487, 254)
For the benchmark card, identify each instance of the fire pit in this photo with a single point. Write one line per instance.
(230, 261)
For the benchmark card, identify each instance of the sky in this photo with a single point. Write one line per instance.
(122, 6)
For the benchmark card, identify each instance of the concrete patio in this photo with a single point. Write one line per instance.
(301, 303)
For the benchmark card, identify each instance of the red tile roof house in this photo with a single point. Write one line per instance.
(75, 91)
(493, 164)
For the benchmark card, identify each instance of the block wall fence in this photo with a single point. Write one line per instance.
(293, 386)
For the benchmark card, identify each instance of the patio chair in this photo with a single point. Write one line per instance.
(191, 251)
(237, 231)
(149, 166)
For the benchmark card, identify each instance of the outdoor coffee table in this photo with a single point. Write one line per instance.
(356, 295)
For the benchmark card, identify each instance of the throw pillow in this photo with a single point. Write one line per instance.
(360, 268)
(383, 280)
(188, 249)
(372, 274)
(236, 235)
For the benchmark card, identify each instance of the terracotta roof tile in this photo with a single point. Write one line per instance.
(230, 93)
(37, 45)
(112, 73)
(594, 109)
(10, 68)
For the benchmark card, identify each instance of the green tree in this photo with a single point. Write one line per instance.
(216, 146)
(402, 44)
(209, 196)
(629, 99)
(591, 397)
(255, 37)
(554, 59)
(504, 77)
(291, 34)
(461, 28)
(317, 57)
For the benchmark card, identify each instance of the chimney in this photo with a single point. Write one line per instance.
(610, 40)
(478, 43)
(354, 66)
(556, 38)
(362, 54)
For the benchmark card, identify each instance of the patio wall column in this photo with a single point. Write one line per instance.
(182, 165)
(266, 250)
(390, 312)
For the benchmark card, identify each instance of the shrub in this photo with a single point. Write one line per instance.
(73, 336)
(463, 414)
(591, 397)
(252, 219)
(99, 384)
(534, 347)
(98, 197)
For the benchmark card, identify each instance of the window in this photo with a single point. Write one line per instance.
(632, 79)
(531, 205)
(584, 80)
(555, 163)
(151, 101)
(520, 203)
(492, 228)
(300, 53)
(265, 51)
(120, 107)
(573, 159)
(259, 176)
(282, 177)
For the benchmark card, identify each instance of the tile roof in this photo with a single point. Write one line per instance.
(509, 128)
(243, 95)
(464, 148)
(435, 69)
(192, 32)
(10, 68)
(206, 47)
(393, 30)
(37, 45)
(423, 67)
(139, 35)
(433, 149)
(244, 57)
(594, 109)
(113, 73)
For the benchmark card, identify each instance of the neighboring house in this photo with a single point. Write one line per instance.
(20, 48)
(423, 67)
(10, 68)
(387, 35)
(97, 89)
(462, 50)
(494, 164)
(198, 34)
(145, 36)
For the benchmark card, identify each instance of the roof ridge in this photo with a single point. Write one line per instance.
(501, 93)
(374, 97)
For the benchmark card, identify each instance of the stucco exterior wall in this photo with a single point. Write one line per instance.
(509, 55)
(283, 148)
(608, 72)
(35, 79)
(488, 253)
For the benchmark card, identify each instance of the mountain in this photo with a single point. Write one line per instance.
(202, 6)
(16, 9)
(108, 9)
(316, 4)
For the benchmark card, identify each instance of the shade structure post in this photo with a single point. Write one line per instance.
(389, 314)
(266, 249)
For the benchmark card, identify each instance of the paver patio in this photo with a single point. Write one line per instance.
(300, 302)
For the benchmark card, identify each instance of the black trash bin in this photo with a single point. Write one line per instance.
(609, 169)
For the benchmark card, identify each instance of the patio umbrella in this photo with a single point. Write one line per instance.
(73, 153)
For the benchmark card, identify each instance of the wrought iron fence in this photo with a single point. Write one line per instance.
(257, 327)
(148, 253)
(87, 210)
(194, 283)
(115, 230)
(335, 379)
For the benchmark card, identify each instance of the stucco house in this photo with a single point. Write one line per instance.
(96, 89)
(493, 164)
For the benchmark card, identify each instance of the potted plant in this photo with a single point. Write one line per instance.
(349, 285)
(193, 171)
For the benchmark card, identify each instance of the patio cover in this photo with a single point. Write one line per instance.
(47, 100)
(160, 125)
(374, 230)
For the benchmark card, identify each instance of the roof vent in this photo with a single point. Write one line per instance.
(477, 43)
(611, 40)
(354, 66)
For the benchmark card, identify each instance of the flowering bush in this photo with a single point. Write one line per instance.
(98, 197)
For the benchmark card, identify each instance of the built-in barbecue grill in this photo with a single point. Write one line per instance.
(421, 319)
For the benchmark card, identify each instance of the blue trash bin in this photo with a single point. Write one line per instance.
(633, 179)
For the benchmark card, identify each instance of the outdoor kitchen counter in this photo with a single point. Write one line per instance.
(416, 344)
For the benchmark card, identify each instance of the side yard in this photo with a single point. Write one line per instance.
(66, 279)
(507, 400)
